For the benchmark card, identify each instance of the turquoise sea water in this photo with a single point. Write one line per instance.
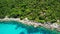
(13, 27)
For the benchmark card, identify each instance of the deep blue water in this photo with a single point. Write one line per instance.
(13, 27)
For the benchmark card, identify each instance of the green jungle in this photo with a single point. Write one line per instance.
(37, 10)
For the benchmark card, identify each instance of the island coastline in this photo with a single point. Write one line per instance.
(28, 22)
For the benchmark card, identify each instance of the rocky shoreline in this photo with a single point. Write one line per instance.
(28, 22)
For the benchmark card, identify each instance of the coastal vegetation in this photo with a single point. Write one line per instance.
(37, 10)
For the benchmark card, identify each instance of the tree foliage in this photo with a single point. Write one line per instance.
(37, 10)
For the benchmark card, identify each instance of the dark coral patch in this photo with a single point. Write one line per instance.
(21, 33)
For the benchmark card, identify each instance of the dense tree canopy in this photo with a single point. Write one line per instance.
(36, 10)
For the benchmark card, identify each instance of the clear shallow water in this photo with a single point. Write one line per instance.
(13, 27)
